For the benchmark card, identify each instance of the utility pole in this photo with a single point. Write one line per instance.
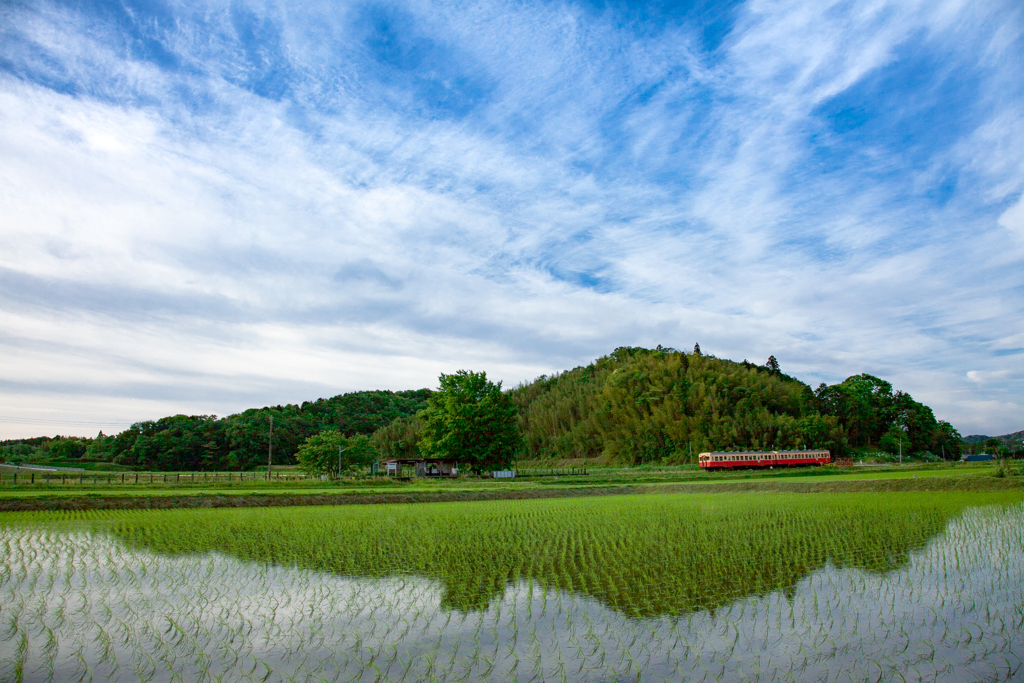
(340, 451)
(901, 450)
(270, 447)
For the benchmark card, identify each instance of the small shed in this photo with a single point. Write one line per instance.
(420, 467)
(978, 457)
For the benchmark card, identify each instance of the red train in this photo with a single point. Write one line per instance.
(736, 459)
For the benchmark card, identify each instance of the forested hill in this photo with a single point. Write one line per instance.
(632, 406)
(236, 442)
(644, 405)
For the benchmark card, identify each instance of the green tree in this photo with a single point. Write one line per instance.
(179, 442)
(895, 441)
(470, 420)
(947, 442)
(68, 448)
(101, 449)
(399, 439)
(321, 453)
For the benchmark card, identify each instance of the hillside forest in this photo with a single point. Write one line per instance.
(631, 407)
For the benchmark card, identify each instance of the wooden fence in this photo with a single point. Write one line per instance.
(48, 478)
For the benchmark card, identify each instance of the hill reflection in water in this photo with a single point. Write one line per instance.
(596, 590)
(643, 556)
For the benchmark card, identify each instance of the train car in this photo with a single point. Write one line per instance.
(726, 460)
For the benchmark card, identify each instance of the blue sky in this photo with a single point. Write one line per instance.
(212, 206)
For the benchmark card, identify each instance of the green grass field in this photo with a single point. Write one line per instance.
(194, 489)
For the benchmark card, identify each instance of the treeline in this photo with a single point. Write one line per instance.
(639, 405)
(632, 406)
(236, 442)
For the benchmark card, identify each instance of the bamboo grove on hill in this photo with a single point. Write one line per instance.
(639, 405)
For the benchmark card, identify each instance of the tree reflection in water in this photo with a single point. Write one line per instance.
(812, 587)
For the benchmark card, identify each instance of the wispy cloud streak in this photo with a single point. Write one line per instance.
(210, 206)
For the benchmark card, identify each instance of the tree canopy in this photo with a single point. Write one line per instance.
(400, 439)
(873, 414)
(239, 442)
(331, 452)
(470, 420)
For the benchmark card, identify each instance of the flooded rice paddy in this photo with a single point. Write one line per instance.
(811, 587)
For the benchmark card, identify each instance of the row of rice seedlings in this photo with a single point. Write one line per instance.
(597, 599)
(641, 555)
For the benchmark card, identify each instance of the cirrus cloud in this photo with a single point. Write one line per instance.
(214, 205)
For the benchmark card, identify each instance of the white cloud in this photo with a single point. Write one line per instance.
(1013, 219)
(982, 377)
(170, 230)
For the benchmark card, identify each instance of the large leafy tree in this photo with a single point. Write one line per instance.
(472, 421)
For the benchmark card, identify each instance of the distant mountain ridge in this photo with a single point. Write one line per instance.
(1011, 438)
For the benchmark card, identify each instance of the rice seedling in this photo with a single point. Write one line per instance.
(874, 586)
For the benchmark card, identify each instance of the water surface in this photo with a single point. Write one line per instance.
(129, 597)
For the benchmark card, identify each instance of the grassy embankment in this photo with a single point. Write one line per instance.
(184, 491)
